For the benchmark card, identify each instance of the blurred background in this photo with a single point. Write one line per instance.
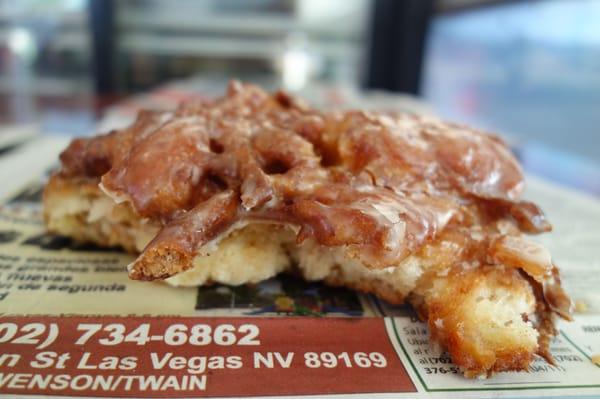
(529, 70)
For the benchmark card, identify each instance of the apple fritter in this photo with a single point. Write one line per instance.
(238, 189)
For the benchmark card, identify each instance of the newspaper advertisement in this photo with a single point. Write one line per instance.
(72, 324)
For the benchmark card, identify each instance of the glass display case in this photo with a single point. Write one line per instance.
(295, 41)
(44, 57)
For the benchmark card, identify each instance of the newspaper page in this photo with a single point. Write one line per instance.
(72, 324)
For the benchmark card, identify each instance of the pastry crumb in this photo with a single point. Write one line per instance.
(580, 306)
